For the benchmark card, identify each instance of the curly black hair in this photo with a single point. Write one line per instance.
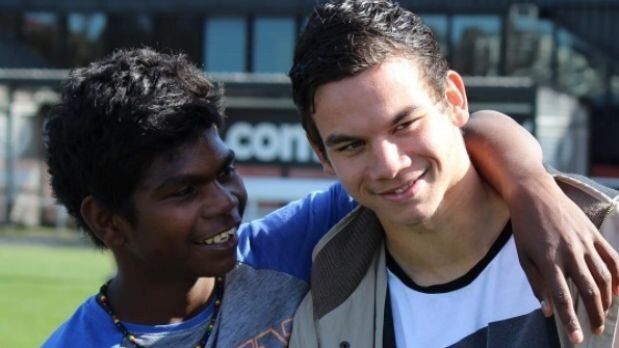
(115, 116)
(343, 38)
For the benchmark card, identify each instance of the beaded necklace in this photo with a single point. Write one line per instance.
(218, 290)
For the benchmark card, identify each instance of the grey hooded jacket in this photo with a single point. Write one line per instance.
(346, 304)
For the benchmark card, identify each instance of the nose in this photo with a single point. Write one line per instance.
(388, 160)
(219, 200)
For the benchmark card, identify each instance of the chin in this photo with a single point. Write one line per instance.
(416, 216)
(225, 266)
(218, 268)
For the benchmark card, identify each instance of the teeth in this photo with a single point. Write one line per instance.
(402, 188)
(220, 238)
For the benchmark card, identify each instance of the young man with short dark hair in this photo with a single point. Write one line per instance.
(428, 259)
(135, 155)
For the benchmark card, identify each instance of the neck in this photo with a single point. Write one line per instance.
(457, 236)
(133, 298)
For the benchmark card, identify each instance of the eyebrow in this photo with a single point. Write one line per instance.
(195, 178)
(407, 111)
(335, 139)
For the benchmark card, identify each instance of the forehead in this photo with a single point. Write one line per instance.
(203, 155)
(383, 89)
(396, 77)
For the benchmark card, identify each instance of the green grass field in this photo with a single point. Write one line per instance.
(41, 286)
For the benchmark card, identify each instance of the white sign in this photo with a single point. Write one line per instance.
(269, 142)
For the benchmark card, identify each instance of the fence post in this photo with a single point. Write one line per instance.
(10, 157)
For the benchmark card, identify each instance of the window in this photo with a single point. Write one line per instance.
(225, 46)
(580, 70)
(273, 44)
(41, 33)
(9, 25)
(15, 53)
(124, 31)
(530, 48)
(439, 26)
(614, 88)
(476, 41)
(179, 33)
(84, 37)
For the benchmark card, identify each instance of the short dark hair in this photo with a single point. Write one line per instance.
(115, 116)
(346, 37)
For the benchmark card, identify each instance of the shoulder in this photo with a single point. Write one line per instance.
(315, 207)
(89, 326)
(596, 200)
(284, 239)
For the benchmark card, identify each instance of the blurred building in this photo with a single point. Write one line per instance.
(551, 64)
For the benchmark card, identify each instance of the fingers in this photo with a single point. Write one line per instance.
(589, 292)
(547, 306)
(537, 285)
(562, 301)
(602, 278)
(611, 261)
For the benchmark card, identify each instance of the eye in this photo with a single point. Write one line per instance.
(402, 126)
(227, 172)
(350, 147)
(186, 191)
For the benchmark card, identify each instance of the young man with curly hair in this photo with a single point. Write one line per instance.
(135, 155)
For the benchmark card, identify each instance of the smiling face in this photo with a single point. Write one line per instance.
(396, 148)
(187, 209)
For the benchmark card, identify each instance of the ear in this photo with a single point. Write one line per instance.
(455, 94)
(109, 227)
(324, 161)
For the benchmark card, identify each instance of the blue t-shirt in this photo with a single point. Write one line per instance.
(260, 296)
(284, 239)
